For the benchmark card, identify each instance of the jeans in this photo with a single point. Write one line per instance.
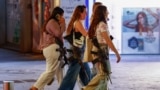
(70, 78)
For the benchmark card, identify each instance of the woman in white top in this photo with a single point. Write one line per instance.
(98, 31)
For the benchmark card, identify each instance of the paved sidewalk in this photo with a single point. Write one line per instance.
(134, 72)
(23, 69)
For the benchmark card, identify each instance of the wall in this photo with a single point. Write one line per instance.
(26, 26)
(15, 25)
(2, 22)
(116, 9)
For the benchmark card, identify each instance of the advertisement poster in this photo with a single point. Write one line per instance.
(141, 31)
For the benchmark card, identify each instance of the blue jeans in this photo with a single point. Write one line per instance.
(70, 78)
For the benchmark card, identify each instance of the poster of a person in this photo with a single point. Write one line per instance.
(144, 25)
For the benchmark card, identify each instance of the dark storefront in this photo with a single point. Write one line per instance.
(21, 21)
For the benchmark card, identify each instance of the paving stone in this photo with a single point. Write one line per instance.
(134, 72)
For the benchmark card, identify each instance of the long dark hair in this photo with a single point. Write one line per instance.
(139, 25)
(75, 16)
(56, 11)
(99, 15)
(95, 5)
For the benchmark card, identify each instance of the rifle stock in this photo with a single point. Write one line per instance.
(101, 56)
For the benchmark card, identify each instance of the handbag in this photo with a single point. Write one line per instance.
(69, 37)
(78, 42)
(88, 47)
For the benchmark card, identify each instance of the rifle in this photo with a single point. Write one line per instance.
(101, 57)
(76, 55)
(111, 37)
(63, 51)
(76, 51)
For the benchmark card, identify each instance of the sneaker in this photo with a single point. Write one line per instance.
(33, 88)
(82, 88)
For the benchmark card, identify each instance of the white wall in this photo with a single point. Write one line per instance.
(115, 8)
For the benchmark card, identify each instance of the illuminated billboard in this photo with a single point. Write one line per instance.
(140, 30)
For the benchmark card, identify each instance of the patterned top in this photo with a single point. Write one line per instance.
(102, 27)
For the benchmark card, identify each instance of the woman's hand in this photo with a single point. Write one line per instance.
(61, 20)
(118, 58)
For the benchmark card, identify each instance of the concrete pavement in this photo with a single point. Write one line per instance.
(134, 72)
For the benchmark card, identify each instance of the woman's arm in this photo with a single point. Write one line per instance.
(128, 23)
(156, 23)
(111, 45)
(62, 24)
(152, 13)
(53, 28)
(79, 27)
(108, 41)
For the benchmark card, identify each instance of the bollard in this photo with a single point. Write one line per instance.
(8, 85)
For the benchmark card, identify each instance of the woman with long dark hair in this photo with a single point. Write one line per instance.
(53, 29)
(99, 33)
(76, 67)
